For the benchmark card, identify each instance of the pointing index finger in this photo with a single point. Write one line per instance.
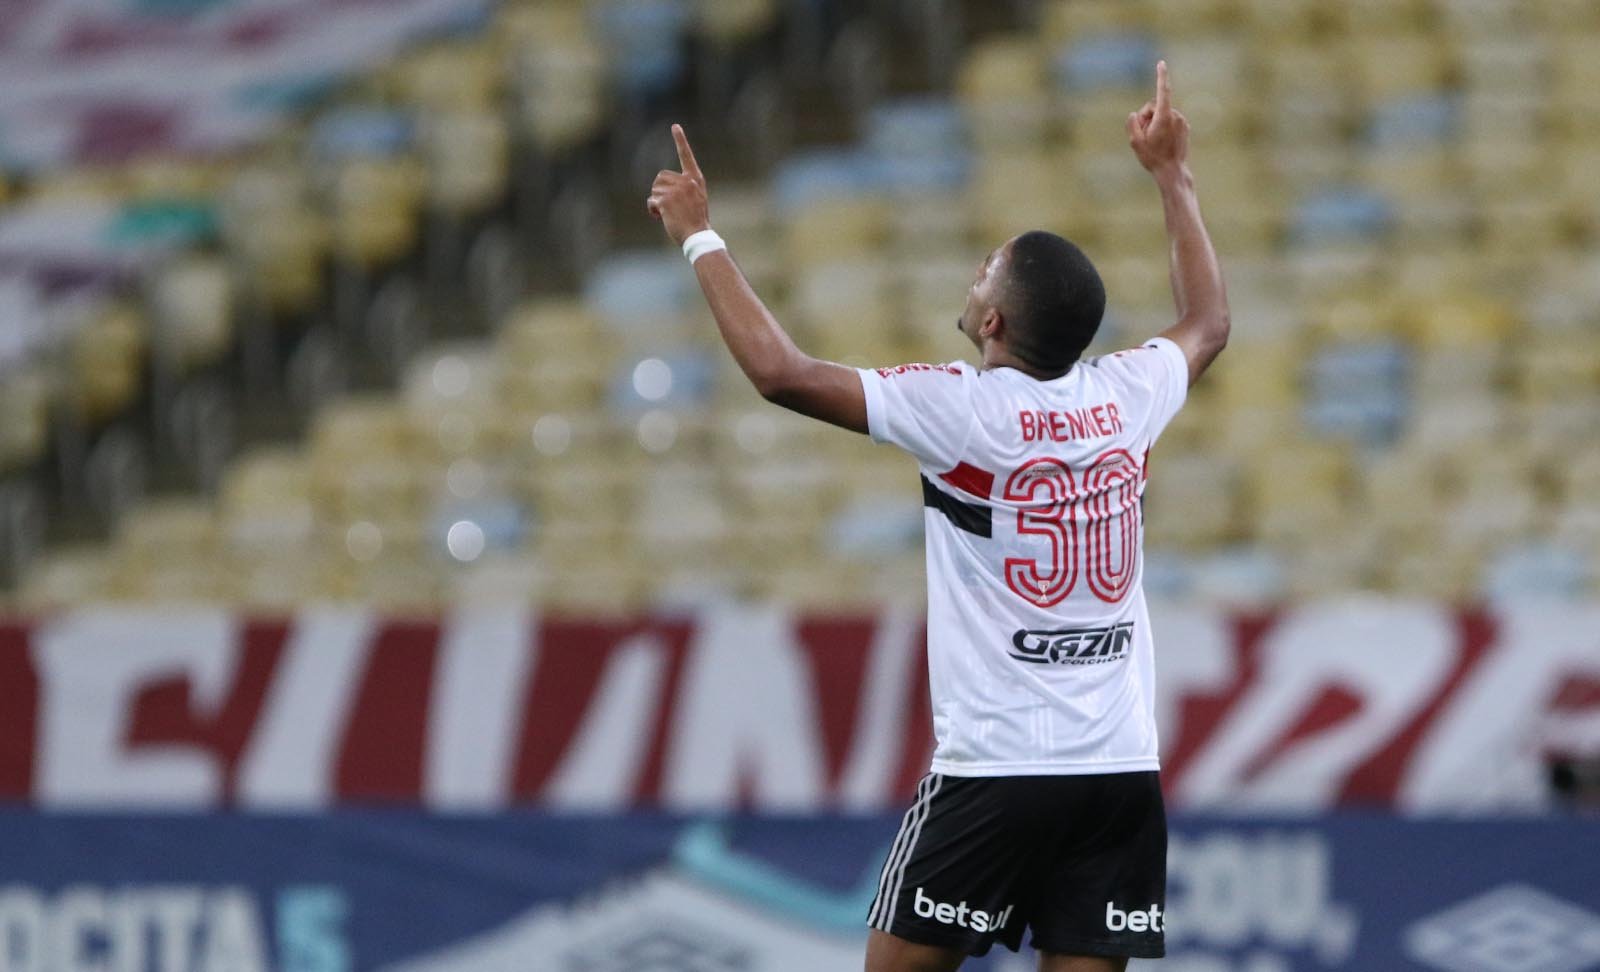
(685, 153)
(1163, 89)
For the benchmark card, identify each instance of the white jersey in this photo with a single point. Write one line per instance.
(1040, 657)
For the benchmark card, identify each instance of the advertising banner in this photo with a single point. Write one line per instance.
(403, 891)
(1359, 702)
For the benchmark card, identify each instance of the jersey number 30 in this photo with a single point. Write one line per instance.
(1094, 532)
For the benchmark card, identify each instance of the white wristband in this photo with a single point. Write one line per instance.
(701, 243)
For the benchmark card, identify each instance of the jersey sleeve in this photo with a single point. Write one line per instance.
(924, 409)
(1156, 372)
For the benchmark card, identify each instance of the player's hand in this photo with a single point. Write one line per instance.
(1158, 132)
(678, 199)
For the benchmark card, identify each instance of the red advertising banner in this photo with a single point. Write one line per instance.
(1354, 702)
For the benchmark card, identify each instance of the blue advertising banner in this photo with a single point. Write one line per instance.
(409, 892)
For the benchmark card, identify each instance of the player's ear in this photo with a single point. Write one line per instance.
(993, 324)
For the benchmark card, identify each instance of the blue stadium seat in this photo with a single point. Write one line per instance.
(1341, 214)
(1538, 570)
(920, 145)
(1100, 61)
(631, 287)
(645, 40)
(680, 379)
(1359, 391)
(1414, 120)
(361, 133)
(873, 527)
(814, 177)
(489, 524)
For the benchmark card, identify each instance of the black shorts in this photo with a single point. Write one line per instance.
(1082, 860)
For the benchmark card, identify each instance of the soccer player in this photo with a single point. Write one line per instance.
(1043, 806)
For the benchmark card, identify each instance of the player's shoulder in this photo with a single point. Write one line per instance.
(1139, 351)
(1153, 355)
(956, 369)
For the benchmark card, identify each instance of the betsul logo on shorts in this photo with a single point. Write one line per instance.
(1150, 920)
(961, 914)
(1073, 646)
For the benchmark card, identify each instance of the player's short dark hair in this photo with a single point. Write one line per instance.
(1053, 300)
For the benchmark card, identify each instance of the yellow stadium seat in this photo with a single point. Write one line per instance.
(400, 587)
(376, 205)
(1012, 191)
(1535, 221)
(499, 580)
(1356, 318)
(1491, 496)
(1547, 428)
(1441, 322)
(729, 22)
(1365, 18)
(1133, 230)
(1581, 204)
(469, 160)
(1334, 270)
(1549, 368)
(934, 226)
(1446, 573)
(1332, 565)
(544, 329)
(65, 578)
(1191, 500)
(1096, 122)
(1301, 163)
(1447, 371)
(284, 582)
(1468, 418)
(832, 231)
(603, 590)
(745, 213)
(108, 361)
(1005, 94)
(175, 576)
(849, 296)
(1188, 17)
(1399, 65)
(1001, 69)
(1404, 172)
(452, 76)
(1400, 491)
(1434, 273)
(26, 396)
(1577, 75)
(1258, 374)
(452, 377)
(1297, 491)
(191, 303)
(1271, 19)
(266, 502)
(562, 91)
(1064, 20)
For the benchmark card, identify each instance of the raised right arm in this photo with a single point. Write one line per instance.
(1159, 135)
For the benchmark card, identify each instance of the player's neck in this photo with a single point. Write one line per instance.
(998, 357)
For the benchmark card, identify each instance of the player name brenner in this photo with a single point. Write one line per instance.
(1090, 422)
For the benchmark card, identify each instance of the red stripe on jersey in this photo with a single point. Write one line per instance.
(970, 479)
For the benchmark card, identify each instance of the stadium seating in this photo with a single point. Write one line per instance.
(1401, 190)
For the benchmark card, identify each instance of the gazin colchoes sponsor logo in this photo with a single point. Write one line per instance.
(1072, 646)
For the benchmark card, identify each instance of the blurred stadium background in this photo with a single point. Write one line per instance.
(362, 445)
